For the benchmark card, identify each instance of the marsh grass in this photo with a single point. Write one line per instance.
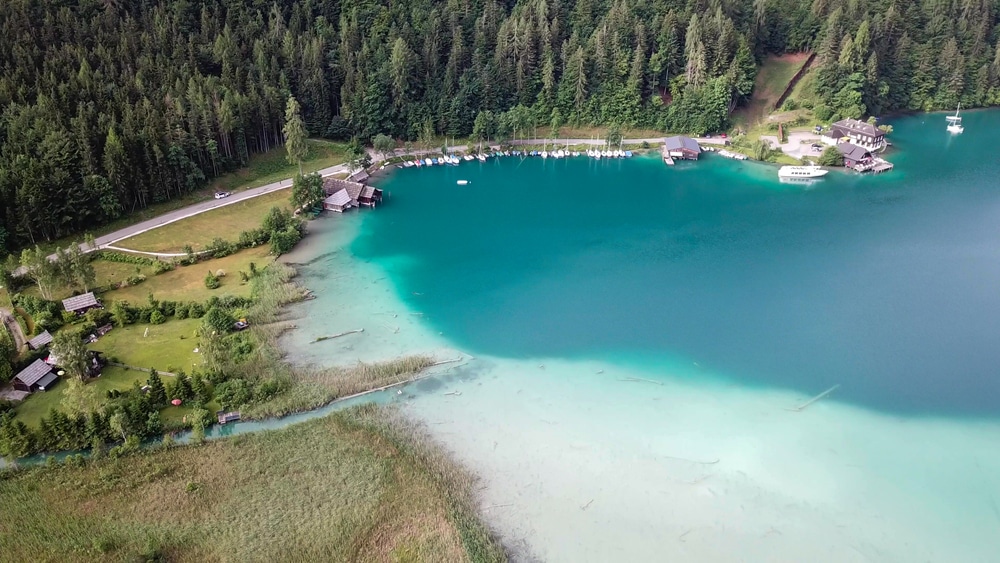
(305, 388)
(359, 485)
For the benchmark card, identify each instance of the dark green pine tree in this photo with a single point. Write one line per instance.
(157, 393)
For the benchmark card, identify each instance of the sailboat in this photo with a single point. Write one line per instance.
(955, 121)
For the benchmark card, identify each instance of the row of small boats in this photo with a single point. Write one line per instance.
(453, 160)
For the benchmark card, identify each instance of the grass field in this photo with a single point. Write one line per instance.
(263, 169)
(198, 231)
(31, 410)
(166, 347)
(187, 283)
(772, 79)
(348, 487)
(273, 165)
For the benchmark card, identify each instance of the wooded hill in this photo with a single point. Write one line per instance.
(111, 105)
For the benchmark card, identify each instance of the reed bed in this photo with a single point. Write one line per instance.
(358, 485)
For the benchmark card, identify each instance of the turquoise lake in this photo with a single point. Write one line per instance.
(886, 285)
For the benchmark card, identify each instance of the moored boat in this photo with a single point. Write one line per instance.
(801, 172)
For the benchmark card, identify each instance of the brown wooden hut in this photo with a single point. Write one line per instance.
(36, 377)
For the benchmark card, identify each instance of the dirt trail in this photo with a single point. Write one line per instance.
(14, 328)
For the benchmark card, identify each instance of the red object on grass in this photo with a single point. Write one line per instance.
(176, 402)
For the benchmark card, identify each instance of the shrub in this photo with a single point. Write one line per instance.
(831, 157)
(283, 241)
(120, 257)
(160, 266)
(254, 237)
(220, 248)
(134, 280)
(196, 311)
(233, 393)
(790, 105)
(157, 318)
(99, 317)
(823, 112)
(218, 320)
(181, 311)
(212, 281)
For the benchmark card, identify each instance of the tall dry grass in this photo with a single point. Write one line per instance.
(354, 486)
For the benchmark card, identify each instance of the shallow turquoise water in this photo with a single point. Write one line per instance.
(888, 286)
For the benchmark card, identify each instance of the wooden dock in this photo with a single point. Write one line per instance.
(875, 166)
(667, 159)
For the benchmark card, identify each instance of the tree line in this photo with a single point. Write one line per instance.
(109, 106)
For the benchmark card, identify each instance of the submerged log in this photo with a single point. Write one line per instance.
(803, 406)
(331, 337)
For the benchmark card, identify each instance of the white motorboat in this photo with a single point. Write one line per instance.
(955, 122)
(801, 172)
(463, 182)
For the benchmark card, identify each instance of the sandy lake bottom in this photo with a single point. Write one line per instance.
(632, 460)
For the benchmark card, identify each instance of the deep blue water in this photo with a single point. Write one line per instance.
(889, 285)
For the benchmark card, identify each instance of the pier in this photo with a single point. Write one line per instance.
(875, 165)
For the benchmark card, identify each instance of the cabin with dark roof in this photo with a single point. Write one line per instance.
(370, 197)
(40, 341)
(344, 194)
(856, 132)
(853, 154)
(339, 201)
(36, 377)
(681, 147)
(80, 304)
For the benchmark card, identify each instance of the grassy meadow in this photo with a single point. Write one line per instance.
(187, 283)
(198, 231)
(353, 486)
(772, 79)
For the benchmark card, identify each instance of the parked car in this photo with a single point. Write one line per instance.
(220, 195)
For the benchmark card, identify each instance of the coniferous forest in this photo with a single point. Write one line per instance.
(109, 106)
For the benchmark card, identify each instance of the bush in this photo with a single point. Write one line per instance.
(831, 157)
(157, 318)
(790, 105)
(283, 241)
(212, 281)
(218, 320)
(99, 317)
(120, 257)
(823, 112)
(196, 311)
(254, 237)
(233, 393)
(134, 280)
(181, 311)
(160, 266)
(220, 248)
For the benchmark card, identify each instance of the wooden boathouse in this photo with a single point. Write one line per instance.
(681, 147)
(342, 195)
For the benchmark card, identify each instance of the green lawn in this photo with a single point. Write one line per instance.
(187, 283)
(225, 222)
(37, 405)
(166, 347)
(772, 79)
(263, 169)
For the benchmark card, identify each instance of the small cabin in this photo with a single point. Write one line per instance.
(339, 201)
(370, 196)
(80, 304)
(681, 147)
(40, 341)
(36, 377)
(853, 154)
